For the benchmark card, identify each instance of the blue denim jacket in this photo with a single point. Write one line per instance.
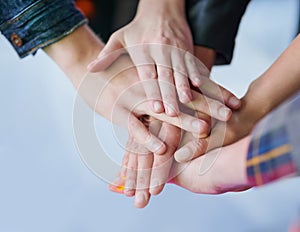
(33, 24)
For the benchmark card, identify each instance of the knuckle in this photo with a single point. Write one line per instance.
(143, 47)
(114, 35)
(179, 70)
(162, 38)
(130, 170)
(169, 99)
(165, 73)
(199, 144)
(190, 58)
(148, 73)
(184, 87)
(142, 180)
(147, 138)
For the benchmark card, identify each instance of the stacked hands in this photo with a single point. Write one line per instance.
(149, 79)
(159, 89)
(156, 138)
(134, 87)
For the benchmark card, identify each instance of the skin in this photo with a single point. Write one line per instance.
(159, 36)
(146, 172)
(240, 124)
(274, 86)
(226, 173)
(74, 52)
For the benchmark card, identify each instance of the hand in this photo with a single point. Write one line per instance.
(240, 125)
(116, 94)
(160, 44)
(143, 173)
(218, 171)
(262, 97)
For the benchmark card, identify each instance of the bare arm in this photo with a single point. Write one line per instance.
(279, 82)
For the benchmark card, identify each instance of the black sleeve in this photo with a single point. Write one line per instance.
(214, 24)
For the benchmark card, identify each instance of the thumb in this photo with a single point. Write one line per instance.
(112, 50)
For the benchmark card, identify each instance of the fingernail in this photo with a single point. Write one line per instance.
(158, 148)
(224, 112)
(197, 81)
(197, 125)
(183, 155)
(233, 101)
(90, 65)
(140, 198)
(170, 111)
(157, 106)
(185, 97)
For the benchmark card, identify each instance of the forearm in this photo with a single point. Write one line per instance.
(74, 52)
(278, 83)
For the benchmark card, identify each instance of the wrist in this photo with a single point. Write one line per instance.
(230, 167)
(74, 52)
(161, 7)
(257, 101)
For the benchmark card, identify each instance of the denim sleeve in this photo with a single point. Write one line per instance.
(214, 24)
(32, 24)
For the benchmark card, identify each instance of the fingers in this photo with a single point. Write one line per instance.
(199, 75)
(180, 77)
(141, 170)
(211, 89)
(192, 145)
(131, 174)
(165, 64)
(196, 147)
(152, 89)
(110, 53)
(147, 74)
(143, 136)
(187, 123)
(134, 178)
(138, 173)
(167, 88)
(162, 164)
(142, 195)
(191, 150)
(118, 185)
(210, 107)
(193, 71)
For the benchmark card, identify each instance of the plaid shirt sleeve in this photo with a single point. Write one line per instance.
(274, 151)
